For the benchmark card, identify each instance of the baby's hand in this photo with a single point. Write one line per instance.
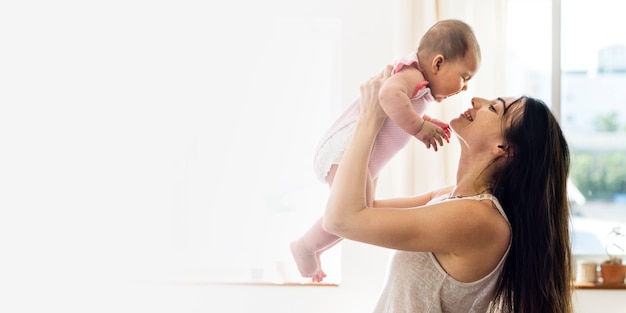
(444, 126)
(431, 135)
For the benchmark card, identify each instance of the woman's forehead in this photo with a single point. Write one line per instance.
(509, 102)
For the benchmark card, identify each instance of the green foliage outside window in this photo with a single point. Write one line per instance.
(599, 175)
(607, 122)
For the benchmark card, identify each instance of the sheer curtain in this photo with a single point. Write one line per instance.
(415, 170)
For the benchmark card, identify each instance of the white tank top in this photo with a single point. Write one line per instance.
(417, 283)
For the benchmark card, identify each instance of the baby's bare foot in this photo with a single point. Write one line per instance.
(319, 276)
(308, 262)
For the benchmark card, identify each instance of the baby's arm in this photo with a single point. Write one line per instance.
(395, 101)
(431, 134)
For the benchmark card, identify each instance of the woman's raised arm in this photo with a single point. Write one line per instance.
(348, 194)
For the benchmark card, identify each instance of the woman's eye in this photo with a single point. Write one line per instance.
(492, 107)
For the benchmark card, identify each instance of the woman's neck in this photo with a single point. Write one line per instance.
(468, 189)
(473, 177)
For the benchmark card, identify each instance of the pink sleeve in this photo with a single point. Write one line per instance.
(419, 87)
(411, 62)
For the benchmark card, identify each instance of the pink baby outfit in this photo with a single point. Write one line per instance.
(391, 138)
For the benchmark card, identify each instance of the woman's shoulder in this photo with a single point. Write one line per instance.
(486, 215)
(491, 201)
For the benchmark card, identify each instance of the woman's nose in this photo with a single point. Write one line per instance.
(477, 102)
(474, 102)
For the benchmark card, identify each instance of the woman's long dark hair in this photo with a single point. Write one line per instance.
(532, 189)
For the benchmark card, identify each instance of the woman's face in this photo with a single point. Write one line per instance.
(484, 122)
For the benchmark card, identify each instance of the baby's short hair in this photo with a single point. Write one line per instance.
(451, 38)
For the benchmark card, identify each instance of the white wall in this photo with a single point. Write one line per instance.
(590, 301)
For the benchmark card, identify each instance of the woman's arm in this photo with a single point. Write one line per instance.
(411, 202)
(349, 189)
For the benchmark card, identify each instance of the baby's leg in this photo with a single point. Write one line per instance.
(306, 251)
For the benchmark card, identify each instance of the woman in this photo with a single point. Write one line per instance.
(497, 240)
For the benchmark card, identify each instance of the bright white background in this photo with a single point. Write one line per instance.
(103, 108)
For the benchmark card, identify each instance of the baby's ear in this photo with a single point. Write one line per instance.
(436, 63)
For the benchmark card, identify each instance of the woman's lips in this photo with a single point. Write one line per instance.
(468, 116)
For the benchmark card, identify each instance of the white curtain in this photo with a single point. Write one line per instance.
(415, 170)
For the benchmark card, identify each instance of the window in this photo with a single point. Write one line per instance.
(591, 103)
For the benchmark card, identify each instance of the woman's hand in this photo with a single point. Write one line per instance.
(370, 103)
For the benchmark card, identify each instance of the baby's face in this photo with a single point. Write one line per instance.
(452, 76)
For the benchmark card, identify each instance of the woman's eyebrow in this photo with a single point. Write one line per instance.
(506, 108)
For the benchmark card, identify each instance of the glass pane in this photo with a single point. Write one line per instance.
(592, 106)
(593, 116)
(529, 68)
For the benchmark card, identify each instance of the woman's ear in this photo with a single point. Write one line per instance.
(437, 62)
(502, 150)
